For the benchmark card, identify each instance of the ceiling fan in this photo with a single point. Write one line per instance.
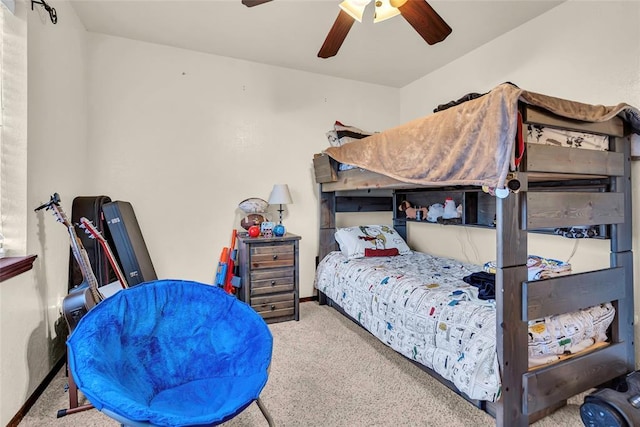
(422, 17)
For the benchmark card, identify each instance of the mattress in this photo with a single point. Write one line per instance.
(419, 305)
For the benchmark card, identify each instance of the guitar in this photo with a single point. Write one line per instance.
(94, 233)
(85, 296)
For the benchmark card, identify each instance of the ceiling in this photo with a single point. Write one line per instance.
(289, 33)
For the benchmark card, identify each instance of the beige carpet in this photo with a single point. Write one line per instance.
(327, 371)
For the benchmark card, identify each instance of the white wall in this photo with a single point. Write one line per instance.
(582, 50)
(186, 136)
(56, 161)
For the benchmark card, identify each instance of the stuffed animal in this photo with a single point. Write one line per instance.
(412, 212)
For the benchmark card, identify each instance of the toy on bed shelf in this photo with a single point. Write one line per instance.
(578, 232)
(411, 212)
(450, 214)
(450, 210)
(446, 213)
(435, 211)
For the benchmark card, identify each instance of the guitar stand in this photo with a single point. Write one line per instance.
(73, 398)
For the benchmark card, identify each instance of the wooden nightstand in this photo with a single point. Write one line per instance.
(270, 274)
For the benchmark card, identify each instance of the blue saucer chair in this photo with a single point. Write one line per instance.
(171, 353)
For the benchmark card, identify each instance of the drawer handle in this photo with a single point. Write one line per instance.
(275, 257)
(273, 307)
(273, 283)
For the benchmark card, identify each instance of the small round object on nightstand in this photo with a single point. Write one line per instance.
(254, 231)
(279, 230)
(251, 219)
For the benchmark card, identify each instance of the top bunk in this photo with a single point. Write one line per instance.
(493, 140)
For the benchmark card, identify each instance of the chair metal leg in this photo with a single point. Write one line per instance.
(265, 413)
(74, 407)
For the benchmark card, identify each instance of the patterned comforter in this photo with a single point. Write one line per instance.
(419, 305)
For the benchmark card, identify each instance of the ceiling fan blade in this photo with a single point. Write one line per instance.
(336, 36)
(251, 3)
(425, 20)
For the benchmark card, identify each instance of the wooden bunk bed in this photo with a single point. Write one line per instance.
(528, 395)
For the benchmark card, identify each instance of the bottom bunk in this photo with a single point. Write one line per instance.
(427, 309)
(484, 405)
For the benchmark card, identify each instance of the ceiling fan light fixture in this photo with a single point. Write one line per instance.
(397, 3)
(384, 11)
(355, 8)
(418, 13)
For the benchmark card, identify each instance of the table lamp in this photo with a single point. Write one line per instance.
(280, 196)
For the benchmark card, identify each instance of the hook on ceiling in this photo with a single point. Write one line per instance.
(52, 11)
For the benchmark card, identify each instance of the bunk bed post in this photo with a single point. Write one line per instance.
(399, 224)
(327, 230)
(511, 330)
(622, 256)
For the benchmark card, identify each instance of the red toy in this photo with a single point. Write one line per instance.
(225, 277)
(254, 231)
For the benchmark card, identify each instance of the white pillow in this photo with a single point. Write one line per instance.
(370, 240)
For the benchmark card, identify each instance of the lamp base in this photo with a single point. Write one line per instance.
(280, 212)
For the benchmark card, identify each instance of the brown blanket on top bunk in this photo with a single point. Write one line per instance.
(469, 144)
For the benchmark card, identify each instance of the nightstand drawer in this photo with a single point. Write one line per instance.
(273, 280)
(271, 256)
(274, 305)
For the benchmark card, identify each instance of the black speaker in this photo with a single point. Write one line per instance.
(615, 406)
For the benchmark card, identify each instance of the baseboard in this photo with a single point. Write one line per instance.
(36, 394)
(307, 299)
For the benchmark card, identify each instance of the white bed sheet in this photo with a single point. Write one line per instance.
(419, 305)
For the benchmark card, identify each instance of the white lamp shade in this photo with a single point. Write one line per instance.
(280, 195)
(384, 11)
(355, 8)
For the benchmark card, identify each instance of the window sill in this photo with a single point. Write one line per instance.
(14, 265)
